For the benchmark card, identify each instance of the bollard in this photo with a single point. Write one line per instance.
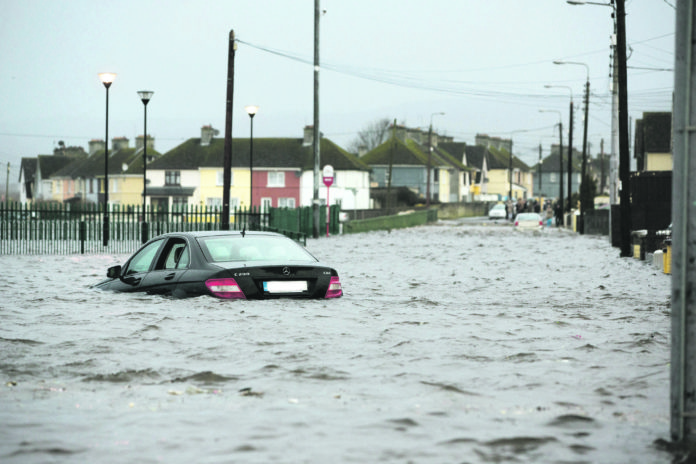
(659, 260)
(638, 238)
(667, 257)
(83, 236)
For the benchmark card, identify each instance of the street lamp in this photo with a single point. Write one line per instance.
(430, 153)
(570, 142)
(251, 110)
(107, 79)
(145, 96)
(584, 185)
(560, 161)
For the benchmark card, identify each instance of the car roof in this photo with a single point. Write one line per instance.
(214, 233)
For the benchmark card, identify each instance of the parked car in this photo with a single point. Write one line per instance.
(224, 264)
(497, 212)
(529, 221)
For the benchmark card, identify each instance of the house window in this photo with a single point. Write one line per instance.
(179, 203)
(552, 177)
(213, 202)
(436, 175)
(276, 179)
(286, 202)
(221, 178)
(266, 204)
(172, 178)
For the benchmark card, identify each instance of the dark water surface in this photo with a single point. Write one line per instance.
(453, 344)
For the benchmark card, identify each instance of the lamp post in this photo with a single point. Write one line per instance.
(145, 96)
(107, 79)
(570, 143)
(430, 153)
(560, 160)
(251, 111)
(584, 187)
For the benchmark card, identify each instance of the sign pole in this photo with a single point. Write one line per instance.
(328, 175)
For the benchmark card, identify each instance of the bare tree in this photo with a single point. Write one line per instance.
(373, 135)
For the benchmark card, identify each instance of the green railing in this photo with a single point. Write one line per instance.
(53, 228)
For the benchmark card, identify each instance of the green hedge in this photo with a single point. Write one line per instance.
(399, 221)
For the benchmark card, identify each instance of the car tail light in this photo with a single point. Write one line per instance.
(517, 223)
(541, 223)
(335, 289)
(225, 288)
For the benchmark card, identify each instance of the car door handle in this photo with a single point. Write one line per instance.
(170, 276)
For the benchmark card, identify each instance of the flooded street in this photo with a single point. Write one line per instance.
(454, 343)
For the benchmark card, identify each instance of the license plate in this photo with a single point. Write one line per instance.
(289, 286)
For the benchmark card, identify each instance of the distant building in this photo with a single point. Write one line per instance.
(653, 142)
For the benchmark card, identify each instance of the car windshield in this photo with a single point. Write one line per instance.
(253, 248)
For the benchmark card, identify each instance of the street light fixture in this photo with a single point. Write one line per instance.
(145, 96)
(584, 186)
(560, 163)
(107, 78)
(251, 111)
(430, 153)
(570, 143)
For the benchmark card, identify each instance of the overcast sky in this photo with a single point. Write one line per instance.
(484, 63)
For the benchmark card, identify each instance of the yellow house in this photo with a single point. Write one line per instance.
(653, 142)
(499, 175)
(211, 191)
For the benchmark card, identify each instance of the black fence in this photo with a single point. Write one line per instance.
(54, 228)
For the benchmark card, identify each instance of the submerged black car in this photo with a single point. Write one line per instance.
(224, 264)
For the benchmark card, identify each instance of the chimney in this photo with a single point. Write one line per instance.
(95, 145)
(119, 143)
(139, 142)
(207, 134)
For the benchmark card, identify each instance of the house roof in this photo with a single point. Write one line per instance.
(475, 154)
(500, 159)
(454, 157)
(407, 153)
(657, 132)
(28, 167)
(455, 149)
(268, 153)
(49, 164)
(93, 166)
(550, 163)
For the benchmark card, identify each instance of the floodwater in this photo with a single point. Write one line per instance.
(454, 343)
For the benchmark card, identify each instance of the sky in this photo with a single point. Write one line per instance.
(483, 63)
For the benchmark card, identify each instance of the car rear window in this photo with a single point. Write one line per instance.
(253, 248)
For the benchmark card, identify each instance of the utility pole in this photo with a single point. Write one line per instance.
(570, 156)
(624, 160)
(539, 170)
(7, 184)
(510, 171)
(560, 166)
(602, 182)
(584, 186)
(391, 163)
(427, 176)
(317, 133)
(683, 302)
(227, 161)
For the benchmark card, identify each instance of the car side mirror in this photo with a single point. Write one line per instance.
(113, 272)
